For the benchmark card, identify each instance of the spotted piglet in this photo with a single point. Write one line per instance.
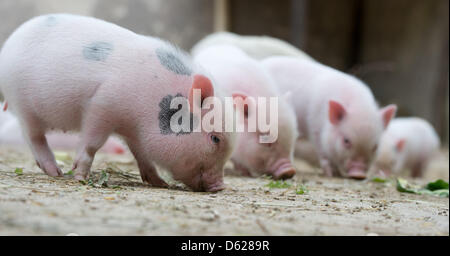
(70, 72)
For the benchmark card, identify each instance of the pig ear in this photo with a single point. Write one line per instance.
(206, 88)
(239, 95)
(400, 145)
(336, 112)
(243, 97)
(387, 114)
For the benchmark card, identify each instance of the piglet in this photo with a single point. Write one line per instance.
(68, 72)
(407, 144)
(240, 76)
(336, 112)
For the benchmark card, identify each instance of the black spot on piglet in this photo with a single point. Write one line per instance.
(97, 51)
(166, 113)
(172, 61)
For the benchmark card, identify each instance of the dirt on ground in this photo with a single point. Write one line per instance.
(31, 203)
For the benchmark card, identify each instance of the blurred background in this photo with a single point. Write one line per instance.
(398, 47)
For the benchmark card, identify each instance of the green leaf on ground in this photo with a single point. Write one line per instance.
(441, 192)
(301, 189)
(404, 186)
(70, 173)
(88, 182)
(379, 180)
(278, 184)
(104, 177)
(437, 185)
(18, 171)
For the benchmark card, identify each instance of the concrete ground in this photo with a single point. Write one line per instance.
(35, 204)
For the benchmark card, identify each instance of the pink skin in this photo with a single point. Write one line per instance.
(240, 76)
(335, 112)
(120, 90)
(407, 144)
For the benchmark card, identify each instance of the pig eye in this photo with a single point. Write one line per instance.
(347, 143)
(215, 139)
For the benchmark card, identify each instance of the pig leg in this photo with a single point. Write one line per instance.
(327, 167)
(38, 143)
(146, 168)
(94, 134)
(417, 169)
(241, 169)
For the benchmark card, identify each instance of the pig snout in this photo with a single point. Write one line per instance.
(356, 170)
(282, 169)
(203, 186)
(215, 187)
(208, 183)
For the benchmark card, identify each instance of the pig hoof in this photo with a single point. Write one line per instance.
(357, 174)
(50, 169)
(157, 184)
(216, 188)
(153, 180)
(80, 177)
(57, 173)
(284, 174)
(162, 184)
(81, 169)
